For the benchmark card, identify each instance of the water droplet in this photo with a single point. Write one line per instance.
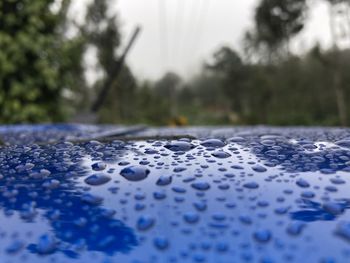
(221, 154)
(201, 186)
(337, 181)
(245, 219)
(145, 223)
(308, 194)
(164, 180)
(97, 179)
(213, 143)
(179, 190)
(179, 146)
(343, 230)
(200, 206)
(237, 139)
(343, 143)
(262, 236)
(302, 183)
(99, 166)
(251, 185)
(295, 228)
(51, 184)
(282, 210)
(259, 168)
(46, 244)
(179, 169)
(333, 208)
(135, 173)
(331, 188)
(159, 195)
(224, 186)
(161, 243)
(92, 199)
(191, 217)
(15, 247)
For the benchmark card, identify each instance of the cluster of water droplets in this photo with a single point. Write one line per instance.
(252, 197)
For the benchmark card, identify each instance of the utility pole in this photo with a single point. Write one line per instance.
(115, 71)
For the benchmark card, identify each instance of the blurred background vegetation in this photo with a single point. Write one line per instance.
(42, 71)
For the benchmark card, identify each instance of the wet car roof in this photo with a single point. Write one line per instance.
(84, 193)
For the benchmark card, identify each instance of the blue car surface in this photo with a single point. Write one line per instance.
(86, 193)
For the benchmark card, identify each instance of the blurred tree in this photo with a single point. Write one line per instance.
(151, 107)
(276, 22)
(38, 63)
(167, 89)
(229, 68)
(166, 86)
(102, 32)
(292, 91)
(120, 106)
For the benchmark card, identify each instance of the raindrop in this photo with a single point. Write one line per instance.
(99, 166)
(201, 186)
(259, 168)
(200, 206)
(337, 181)
(145, 223)
(51, 184)
(213, 143)
(164, 180)
(161, 243)
(343, 143)
(343, 230)
(179, 169)
(251, 185)
(245, 219)
(302, 183)
(15, 247)
(46, 244)
(159, 195)
(295, 228)
(308, 194)
(237, 139)
(92, 199)
(97, 179)
(135, 173)
(221, 154)
(179, 190)
(262, 236)
(191, 217)
(179, 146)
(333, 208)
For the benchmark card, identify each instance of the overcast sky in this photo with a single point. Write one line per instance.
(179, 34)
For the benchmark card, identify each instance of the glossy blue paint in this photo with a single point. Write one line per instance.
(253, 194)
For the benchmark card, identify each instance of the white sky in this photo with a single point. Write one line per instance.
(199, 31)
(189, 31)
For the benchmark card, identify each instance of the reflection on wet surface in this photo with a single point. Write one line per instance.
(41, 182)
(232, 195)
(313, 211)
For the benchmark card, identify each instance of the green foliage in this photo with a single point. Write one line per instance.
(42, 72)
(102, 32)
(296, 91)
(293, 91)
(37, 63)
(276, 22)
(151, 108)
